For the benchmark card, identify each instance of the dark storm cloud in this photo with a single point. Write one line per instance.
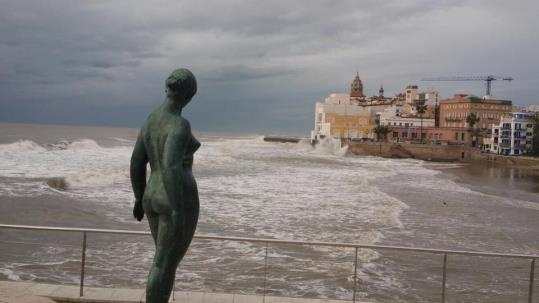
(260, 65)
(246, 73)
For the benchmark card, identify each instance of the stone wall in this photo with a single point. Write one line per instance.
(440, 153)
(518, 161)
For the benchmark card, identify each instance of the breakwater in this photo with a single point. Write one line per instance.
(281, 139)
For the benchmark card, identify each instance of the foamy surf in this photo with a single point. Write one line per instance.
(248, 187)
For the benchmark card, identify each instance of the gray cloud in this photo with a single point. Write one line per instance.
(260, 65)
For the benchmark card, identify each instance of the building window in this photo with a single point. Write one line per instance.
(462, 136)
(456, 136)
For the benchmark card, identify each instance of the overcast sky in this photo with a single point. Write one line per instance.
(261, 65)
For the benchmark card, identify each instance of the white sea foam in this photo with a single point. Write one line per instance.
(329, 146)
(247, 187)
(21, 146)
(91, 171)
(9, 274)
(123, 140)
(84, 144)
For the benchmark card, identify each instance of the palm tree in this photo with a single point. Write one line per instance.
(421, 108)
(381, 131)
(472, 119)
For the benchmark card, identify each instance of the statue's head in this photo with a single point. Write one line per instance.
(181, 86)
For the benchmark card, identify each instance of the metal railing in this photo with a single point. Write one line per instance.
(266, 243)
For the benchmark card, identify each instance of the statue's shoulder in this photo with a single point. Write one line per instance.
(183, 124)
(181, 128)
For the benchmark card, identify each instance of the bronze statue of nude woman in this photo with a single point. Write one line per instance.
(170, 198)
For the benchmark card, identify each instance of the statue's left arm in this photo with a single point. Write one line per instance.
(139, 159)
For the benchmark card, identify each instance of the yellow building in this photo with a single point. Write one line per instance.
(349, 126)
(349, 116)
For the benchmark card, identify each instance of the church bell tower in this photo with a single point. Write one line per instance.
(356, 88)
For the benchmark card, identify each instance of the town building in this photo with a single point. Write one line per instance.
(337, 117)
(412, 95)
(455, 111)
(533, 108)
(355, 116)
(431, 135)
(513, 135)
(349, 116)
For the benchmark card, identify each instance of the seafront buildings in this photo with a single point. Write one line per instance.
(513, 135)
(355, 116)
(488, 124)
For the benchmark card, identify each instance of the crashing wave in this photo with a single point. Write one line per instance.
(60, 145)
(83, 144)
(21, 146)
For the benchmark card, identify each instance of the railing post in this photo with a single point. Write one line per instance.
(83, 261)
(444, 274)
(174, 287)
(265, 272)
(532, 277)
(355, 275)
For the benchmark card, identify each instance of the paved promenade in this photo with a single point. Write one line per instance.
(23, 292)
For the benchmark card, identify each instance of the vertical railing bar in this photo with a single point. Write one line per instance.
(444, 275)
(82, 263)
(174, 285)
(265, 272)
(355, 275)
(532, 277)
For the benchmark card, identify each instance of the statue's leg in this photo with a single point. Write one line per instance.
(153, 217)
(170, 249)
(153, 221)
(161, 276)
(191, 219)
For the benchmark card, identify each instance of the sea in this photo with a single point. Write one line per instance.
(74, 176)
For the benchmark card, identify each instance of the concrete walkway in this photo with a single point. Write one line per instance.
(24, 292)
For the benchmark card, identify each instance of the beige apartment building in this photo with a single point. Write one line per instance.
(454, 111)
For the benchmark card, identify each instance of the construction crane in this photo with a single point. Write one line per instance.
(487, 79)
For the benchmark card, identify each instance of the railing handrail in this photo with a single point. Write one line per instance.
(276, 241)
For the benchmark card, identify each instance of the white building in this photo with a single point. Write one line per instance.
(412, 94)
(338, 99)
(513, 136)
